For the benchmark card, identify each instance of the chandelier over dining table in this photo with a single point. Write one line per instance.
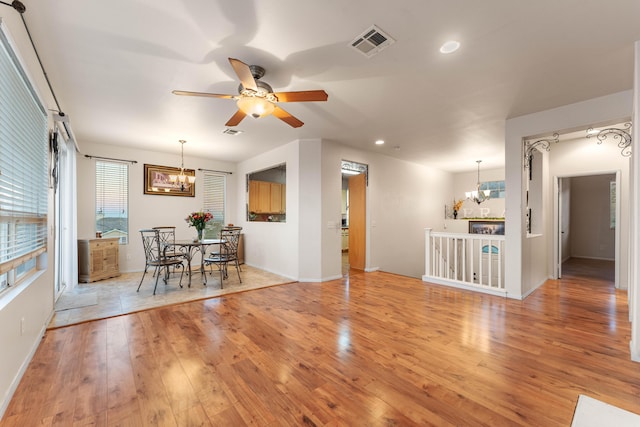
(478, 195)
(182, 179)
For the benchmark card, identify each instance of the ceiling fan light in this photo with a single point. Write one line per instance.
(255, 106)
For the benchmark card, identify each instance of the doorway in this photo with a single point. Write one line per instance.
(593, 237)
(354, 206)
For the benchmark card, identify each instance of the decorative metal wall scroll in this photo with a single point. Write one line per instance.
(623, 135)
(541, 144)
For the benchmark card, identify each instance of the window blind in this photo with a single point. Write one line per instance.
(23, 168)
(214, 195)
(214, 201)
(112, 200)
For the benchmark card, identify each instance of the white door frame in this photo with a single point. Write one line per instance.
(557, 238)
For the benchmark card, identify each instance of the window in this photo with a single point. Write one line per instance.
(23, 170)
(112, 200)
(214, 202)
(497, 189)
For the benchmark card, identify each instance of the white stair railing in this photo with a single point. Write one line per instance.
(469, 261)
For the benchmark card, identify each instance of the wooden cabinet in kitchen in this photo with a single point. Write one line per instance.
(267, 197)
(98, 259)
(264, 197)
(259, 197)
(276, 198)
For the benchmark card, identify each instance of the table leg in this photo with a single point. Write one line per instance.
(203, 249)
(188, 257)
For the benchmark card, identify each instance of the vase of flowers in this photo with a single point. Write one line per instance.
(198, 220)
(457, 205)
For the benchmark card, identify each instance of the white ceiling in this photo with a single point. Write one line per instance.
(113, 65)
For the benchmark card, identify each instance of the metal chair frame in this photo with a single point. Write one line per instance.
(155, 257)
(230, 236)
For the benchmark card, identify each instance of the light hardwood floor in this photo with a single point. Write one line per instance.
(119, 295)
(372, 349)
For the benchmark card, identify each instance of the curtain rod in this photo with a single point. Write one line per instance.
(109, 158)
(211, 170)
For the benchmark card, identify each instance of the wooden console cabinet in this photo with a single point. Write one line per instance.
(97, 259)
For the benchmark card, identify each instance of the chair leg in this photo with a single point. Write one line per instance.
(238, 270)
(221, 268)
(181, 273)
(157, 277)
(145, 272)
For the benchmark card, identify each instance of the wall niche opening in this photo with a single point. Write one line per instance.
(267, 194)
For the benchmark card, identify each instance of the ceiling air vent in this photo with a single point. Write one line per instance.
(372, 41)
(231, 131)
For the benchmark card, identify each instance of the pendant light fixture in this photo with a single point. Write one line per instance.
(182, 179)
(478, 195)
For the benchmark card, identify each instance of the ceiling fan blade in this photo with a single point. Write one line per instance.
(302, 96)
(236, 118)
(244, 74)
(211, 95)
(286, 117)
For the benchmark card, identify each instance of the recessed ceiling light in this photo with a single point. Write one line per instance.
(379, 142)
(450, 46)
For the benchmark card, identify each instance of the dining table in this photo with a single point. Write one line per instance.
(188, 248)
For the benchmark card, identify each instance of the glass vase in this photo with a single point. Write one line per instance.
(199, 230)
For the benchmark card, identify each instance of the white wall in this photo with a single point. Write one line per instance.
(591, 233)
(526, 271)
(272, 246)
(146, 210)
(634, 292)
(26, 309)
(311, 223)
(402, 198)
(467, 181)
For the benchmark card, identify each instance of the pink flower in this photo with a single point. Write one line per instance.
(198, 219)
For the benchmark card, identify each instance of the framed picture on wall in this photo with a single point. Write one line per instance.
(486, 227)
(157, 181)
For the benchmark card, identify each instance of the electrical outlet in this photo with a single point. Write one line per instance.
(22, 326)
(128, 257)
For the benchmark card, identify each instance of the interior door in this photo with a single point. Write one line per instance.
(357, 220)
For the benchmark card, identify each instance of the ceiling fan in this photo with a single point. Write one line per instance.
(257, 99)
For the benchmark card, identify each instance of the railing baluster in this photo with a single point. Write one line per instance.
(464, 260)
(459, 258)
